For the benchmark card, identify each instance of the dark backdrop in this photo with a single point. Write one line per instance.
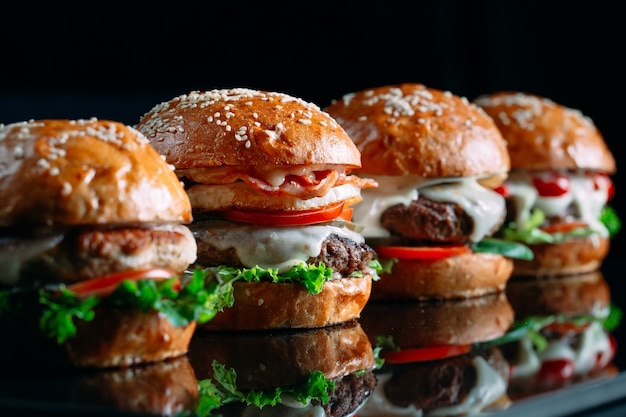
(116, 60)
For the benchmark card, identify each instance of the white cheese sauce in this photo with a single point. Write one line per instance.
(588, 201)
(483, 205)
(14, 253)
(490, 386)
(270, 247)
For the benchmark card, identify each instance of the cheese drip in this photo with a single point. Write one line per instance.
(587, 201)
(483, 205)
(270, 247)
(490, 386)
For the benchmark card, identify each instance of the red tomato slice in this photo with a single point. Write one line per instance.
(563, 227)
(504, 190)
(556, 371)
(421, 252)
(424, 353)
(551, 184)
(603, 182)
(285, 218)
(104, 286)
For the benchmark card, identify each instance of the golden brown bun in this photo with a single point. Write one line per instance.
(571, 295)
(85, 172)
(127, 336)
(245, 127)
(410, 129)
(116, 337)
(573, 256)
(467, 275)
(434, 323)
(268, 305)
(164, 388)
(269, 360)
(542, 134)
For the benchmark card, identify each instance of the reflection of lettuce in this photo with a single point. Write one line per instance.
(222, 390)
(530, 327)
(530, 232)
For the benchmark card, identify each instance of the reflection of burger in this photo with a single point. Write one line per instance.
(164, 388)
(559, 186)
(325, 372)
(566, 324)
(269, 180)
(433, 360)
(92, 238)
(436, 159)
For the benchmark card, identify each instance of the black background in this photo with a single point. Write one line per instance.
(115, 60)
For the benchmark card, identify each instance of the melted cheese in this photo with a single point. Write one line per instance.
(485, 206)
(582, 194)
(594, 343)
(490, 386)
(270, 247)
(15, 252)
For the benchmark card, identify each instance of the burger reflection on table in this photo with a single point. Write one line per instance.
(436, 357)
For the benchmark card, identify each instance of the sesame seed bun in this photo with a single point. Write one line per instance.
(409, 136)
(245, 127)
(542, 134)
(85, 172)
(410, 129)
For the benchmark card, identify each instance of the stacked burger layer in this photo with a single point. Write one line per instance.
(270, 183)
(437, 159)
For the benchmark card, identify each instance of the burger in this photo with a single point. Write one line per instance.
(437, 160)
(562, 334)
(559, 188)
(325, 371)
(437, 356)
(270, 183)
(93, 240)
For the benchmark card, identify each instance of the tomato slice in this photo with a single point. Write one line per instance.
(423, 354)
(602, 181)
(421, 252)
(504, 190)
(551, 184)
(287, 218)
(556, 371)
(105, 285)
(564, 227)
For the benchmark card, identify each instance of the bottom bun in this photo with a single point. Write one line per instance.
(124, 337)
(266, 360)
(574, 256)
(435, 323)
(461, 276)
(267, 305)
(114, 338)
(571, 295)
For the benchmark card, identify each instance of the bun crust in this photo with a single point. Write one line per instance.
(449, 322)
(82, 172)
(268, 305)
(410, 129)
(571, 295)
(461, 276)
(283, 358)
(245, 127)
(542, 134)
(127, 336)
(574, 256)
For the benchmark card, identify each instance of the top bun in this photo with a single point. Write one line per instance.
(82, 172)
(244, 127)
(543, 135)
(410, 129)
